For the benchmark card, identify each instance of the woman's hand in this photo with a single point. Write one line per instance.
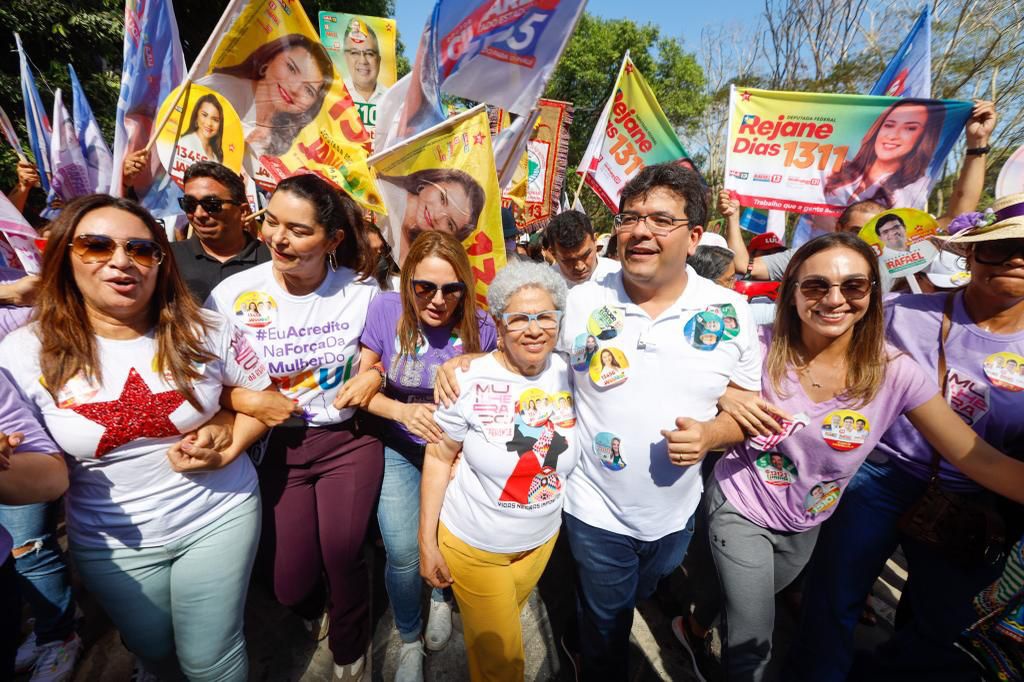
(728, 205)
(196, 452)
(28, 176)
(756, 416)
(981, 123)
(271, 408)
(418, 418)
(446, 385)
(358, 391)
(433, 567)
(133, 165)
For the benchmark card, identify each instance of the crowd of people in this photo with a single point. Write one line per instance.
(250, 403)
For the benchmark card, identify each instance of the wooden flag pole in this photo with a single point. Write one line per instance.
(162, 123)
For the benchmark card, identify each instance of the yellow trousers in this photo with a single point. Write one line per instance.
(491, 590)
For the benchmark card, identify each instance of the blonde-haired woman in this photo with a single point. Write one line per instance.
(432, 318)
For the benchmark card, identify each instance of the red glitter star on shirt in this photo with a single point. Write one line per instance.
(137, 413)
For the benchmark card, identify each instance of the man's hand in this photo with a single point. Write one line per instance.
(28, 176)
(981, 123)
(728, 205)
(688, 443)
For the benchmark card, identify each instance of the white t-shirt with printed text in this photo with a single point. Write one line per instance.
(633, 378)
(519, 444)
(116, 433)
(310, 343)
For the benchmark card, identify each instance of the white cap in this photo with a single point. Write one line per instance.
(713, 239)
(948, 271)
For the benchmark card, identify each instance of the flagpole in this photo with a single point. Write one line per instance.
(579, 188)
(185, 87)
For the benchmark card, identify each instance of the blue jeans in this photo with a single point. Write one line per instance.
(615, 572)
(851, 553)
(398, 515)
(43, 577)
(186, 597)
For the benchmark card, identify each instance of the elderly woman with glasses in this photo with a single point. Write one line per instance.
(489, 531)
(825, 357)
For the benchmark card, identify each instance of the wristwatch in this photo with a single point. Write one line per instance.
(978, 151)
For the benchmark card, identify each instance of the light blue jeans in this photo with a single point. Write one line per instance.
(43, 576)
(186, 597)
(398, 515)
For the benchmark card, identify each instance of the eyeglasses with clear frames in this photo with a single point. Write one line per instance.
(547, 320)
(660, 224)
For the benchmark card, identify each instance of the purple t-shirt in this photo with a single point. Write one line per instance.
(11, 316)
(16, 415)
(411, 379)
(793, 483)
(979, 388)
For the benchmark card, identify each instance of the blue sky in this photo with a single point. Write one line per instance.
(679, 18)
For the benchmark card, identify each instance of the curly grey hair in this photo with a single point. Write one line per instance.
(519, 275)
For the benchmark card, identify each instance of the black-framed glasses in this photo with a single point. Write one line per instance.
(853, 289)
(99, 248)
(424, 290)
(210, 204)
(546, 319)
(660, 224)
(998, 251)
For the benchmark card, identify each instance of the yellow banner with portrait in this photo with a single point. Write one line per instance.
(265, 57)
(444, 179)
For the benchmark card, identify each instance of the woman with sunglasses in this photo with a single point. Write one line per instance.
(826, 356)
(125, 370)
(982, 324)
(489, 531)
(433, 317)
(321, 472)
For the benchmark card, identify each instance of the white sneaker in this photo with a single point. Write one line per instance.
(353, 672)
(410, 662)
(439, 625)
(140, 674)
(28, 652)
(57, 660)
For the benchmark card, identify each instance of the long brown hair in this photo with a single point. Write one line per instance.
(66, 336)
(912, 167)
(466, 323)
(867, 361)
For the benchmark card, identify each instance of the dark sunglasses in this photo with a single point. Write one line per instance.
(817, 288)
(99, 248)
(210, 204)
(425, 290)
(998, 251)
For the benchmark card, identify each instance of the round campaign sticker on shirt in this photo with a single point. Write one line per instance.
(1005, 370)
(255, 309)
(606, 322)
(704, 330)
(821, 497)
(845, 430)
(609, 367)
(730, 323)
(583, 348)
(562, 413)
(607, 447)
(776, 469)
(534, 407)
(78, 391)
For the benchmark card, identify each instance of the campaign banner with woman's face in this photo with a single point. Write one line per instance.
(444, 179)
(901, 238)
(266, 59)
(817, 153)
(202, 127)
(363, 51)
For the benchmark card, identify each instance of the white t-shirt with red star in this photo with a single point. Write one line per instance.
(519, 444)
(116, 433)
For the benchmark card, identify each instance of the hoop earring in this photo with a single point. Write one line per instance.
(262, 72)
(332, 262)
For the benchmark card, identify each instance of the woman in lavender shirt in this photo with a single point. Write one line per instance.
(827, 366)
(986, 332)
(432, 318)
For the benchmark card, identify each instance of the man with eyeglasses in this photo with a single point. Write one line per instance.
(662, 326)
(570, 236)
(217, 210)
(362, 60)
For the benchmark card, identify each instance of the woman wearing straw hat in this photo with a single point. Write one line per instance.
(968, 333)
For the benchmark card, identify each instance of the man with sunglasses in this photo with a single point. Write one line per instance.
(629, 525)
(216, 208)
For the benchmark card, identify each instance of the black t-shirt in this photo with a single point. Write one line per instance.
(203, 272)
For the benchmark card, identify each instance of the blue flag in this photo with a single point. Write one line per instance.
(153, 66)
(35, 119)
(90, 138)
(909, 73)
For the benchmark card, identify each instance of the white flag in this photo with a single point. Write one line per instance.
(70, 172)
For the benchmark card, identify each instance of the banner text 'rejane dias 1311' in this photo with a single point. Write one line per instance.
(265, 58)
(444, 179)
(818, 153)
